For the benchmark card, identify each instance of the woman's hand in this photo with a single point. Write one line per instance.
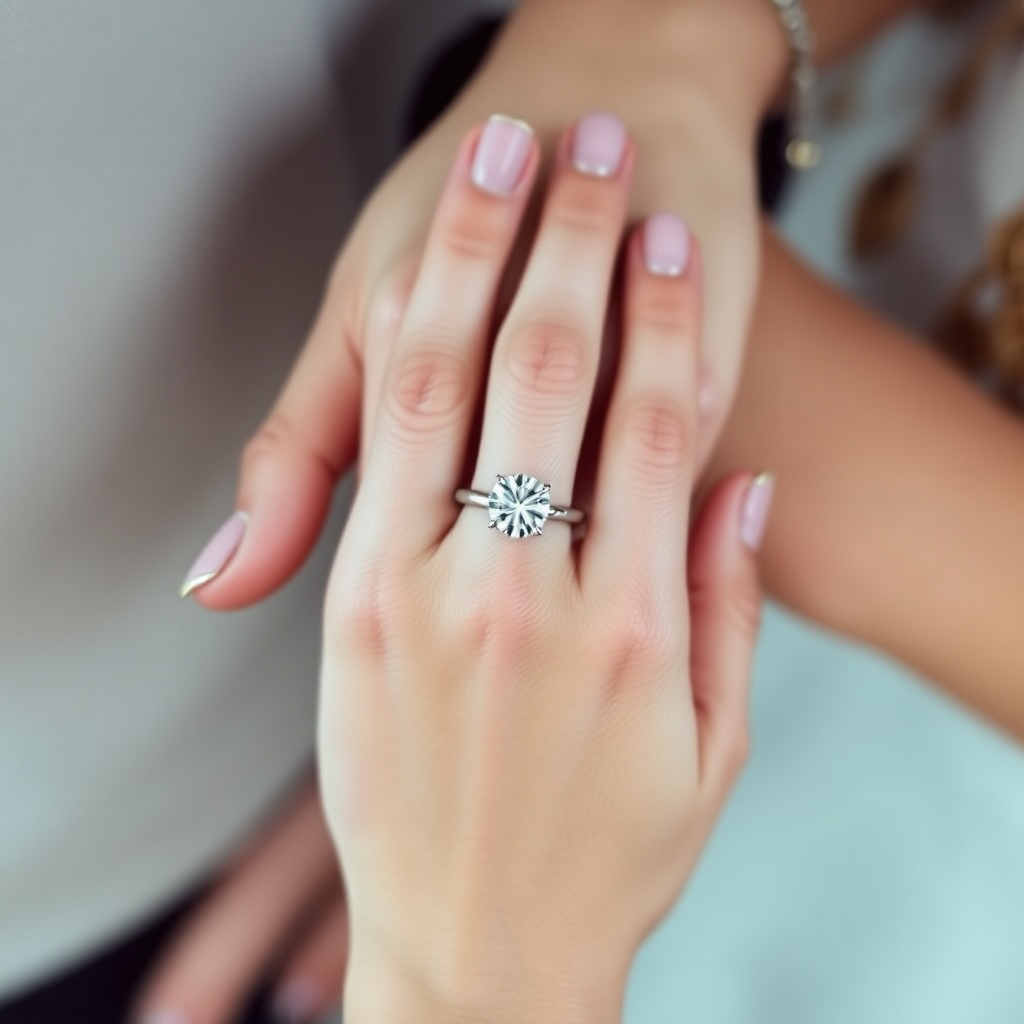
(689, 77)
(277, 919)
(524, 742)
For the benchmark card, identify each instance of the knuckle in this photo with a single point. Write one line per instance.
(429, 386)
(514, 609)
(390, 300)
(668, 309)
(551, 356)
(358, 616)
(585, 207)
(657, 435)
(472, 627)
(745, 609)
(512, 639)
(274, 439)
(468, 234)
(516, 618)
(280, 440)
(646, 632)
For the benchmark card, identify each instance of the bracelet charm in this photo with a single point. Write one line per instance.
(802, 152)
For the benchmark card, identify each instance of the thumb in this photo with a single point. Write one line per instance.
(725, 609)
(289, 470)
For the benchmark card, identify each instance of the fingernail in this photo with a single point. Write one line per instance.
(598, 144)
(296, 1002)
(217, 553)
(666, 245)
(756, 506)
(501, 154)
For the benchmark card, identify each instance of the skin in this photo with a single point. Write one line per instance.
(497, 714)
(901, 497)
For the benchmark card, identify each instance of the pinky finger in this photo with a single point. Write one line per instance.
(725, 607)
(314, 974)
(637, 535)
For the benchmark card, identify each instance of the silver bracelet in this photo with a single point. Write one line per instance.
(802, 152)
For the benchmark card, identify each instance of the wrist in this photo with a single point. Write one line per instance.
(743, 51)
(733, 53)
(392, 989)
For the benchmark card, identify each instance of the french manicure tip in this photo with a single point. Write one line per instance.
(756, 506)
(191, 585)
(502, 154)
(599, 144)
(505, 119)
(219, 550)
(666, 245)
(666, 269)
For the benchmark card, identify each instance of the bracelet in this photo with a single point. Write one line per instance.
(802, 152)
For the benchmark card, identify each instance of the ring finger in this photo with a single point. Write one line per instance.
(546, 355)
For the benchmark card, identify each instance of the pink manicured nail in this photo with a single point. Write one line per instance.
(756, 506)
(598, 144)
(666, 245)
(297, 1002)
(501, 154)
(217, 553)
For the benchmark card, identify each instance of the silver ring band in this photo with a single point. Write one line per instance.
(519, 505)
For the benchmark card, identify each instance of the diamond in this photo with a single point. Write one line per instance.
(518, 505)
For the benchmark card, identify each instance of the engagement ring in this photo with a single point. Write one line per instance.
(519, 505)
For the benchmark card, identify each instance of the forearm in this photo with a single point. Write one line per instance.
(900, 510)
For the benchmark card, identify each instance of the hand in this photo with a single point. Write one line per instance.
(278, 912)
(524, 742)
(690, 79)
